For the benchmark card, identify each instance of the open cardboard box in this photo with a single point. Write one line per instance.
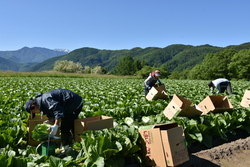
(245, 102)
(91, 123)
(179, 106)
(215, 104)
(38, 119)
(164, 145)
(157, 92)
(161, 86)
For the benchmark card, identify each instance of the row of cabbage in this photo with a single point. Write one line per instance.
(124, 100)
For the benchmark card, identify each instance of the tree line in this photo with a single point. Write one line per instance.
(228, 63)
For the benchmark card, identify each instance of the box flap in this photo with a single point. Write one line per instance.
(181, 101)
(179, 106)
(245, 102)
(161, 86)
(156, 93)
(91, 123)
(174, 144)
(215, 104)
(99, 124)
(37, 118)
(189, 112)
(160, 126)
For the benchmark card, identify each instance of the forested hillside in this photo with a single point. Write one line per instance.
(176, 61)
(174, 57)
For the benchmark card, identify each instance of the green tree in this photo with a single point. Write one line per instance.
(174, 75)
(215, 65)
(125, 66)
(137, 65)
(240, 65)
(144, 72)
(197, 72)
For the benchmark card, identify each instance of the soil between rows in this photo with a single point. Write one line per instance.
(232, 153)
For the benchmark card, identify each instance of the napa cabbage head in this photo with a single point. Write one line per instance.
(41, 132)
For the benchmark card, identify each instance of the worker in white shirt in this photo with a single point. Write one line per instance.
(221, 84)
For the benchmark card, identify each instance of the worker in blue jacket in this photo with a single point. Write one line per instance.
(60, 105)
(152, 79)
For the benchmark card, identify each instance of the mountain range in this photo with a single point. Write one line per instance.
(24, 58)
(177, 57)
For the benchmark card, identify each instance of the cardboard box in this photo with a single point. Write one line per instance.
(91, 123)
(164, 145)
(215, 104)
(179, 106)
(245, 102)
(161, 86)
(31, 125)
(156, 93)
(38, 119)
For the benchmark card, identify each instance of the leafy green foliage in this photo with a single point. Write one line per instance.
(240, 65)
(119, 98)
(40, 132)
(110, 147)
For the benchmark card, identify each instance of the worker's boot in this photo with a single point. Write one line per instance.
(66, 141)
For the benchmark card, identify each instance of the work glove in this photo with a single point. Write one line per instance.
(53, 130)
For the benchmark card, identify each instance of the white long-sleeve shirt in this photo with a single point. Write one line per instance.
(217, 83)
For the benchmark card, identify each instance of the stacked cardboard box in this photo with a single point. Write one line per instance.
(91, 123)
(157, 92)
(164, 145)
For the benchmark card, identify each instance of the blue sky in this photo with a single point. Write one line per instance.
(122, 24)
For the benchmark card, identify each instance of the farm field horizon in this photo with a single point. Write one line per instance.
(120, 98)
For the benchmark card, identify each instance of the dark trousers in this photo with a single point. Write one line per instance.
(67, 126)
(146, 90)
(226, 86)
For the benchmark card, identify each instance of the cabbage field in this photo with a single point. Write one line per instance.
(124, 100)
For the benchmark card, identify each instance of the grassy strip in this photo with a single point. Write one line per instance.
(58, 74)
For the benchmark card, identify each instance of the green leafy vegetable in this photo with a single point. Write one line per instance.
(40, 132)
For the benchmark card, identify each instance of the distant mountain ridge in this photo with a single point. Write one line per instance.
(173, 57)
(176, 57)
(24, 58)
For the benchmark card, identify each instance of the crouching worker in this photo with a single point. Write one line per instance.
(151, 81)
(221, 84)
(61, 105)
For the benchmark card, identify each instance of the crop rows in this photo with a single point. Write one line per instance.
(123, 99)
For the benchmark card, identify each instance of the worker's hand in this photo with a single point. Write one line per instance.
(53, 130)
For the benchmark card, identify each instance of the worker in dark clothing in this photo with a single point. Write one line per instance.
(221, 84)
(61, 105)
(151, 81)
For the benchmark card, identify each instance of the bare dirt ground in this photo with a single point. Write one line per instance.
(232, 153)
